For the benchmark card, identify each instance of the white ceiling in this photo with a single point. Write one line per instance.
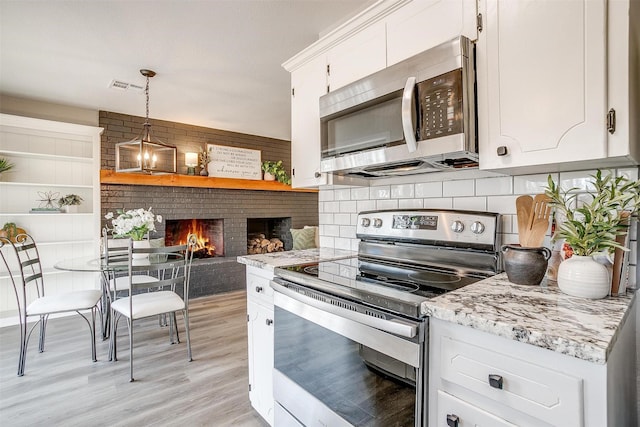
(218, 62)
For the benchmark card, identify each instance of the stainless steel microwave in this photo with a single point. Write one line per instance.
(416, 116)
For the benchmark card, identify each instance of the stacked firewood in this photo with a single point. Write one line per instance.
(261, 245)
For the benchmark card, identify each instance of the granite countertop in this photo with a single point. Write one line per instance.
(537, 315)
(287, 258)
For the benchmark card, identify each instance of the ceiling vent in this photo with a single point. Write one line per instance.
(120, 85)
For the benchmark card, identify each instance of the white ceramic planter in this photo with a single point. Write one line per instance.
(70, 208)
(141, 244)
(582, 276)
(269, 177)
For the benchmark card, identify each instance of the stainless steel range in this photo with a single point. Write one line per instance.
(351, 335)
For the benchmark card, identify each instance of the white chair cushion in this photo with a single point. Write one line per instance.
(122, 282)
(149, 304)
(72, 301)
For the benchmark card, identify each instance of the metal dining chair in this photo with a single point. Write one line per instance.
(161, 297)
(21, 260)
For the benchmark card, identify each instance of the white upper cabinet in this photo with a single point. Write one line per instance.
(358, 56)
(308, 84)
(423, 24)
(542, 84)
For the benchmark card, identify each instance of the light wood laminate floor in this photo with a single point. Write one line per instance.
(62, 386)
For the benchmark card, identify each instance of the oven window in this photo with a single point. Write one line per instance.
(330, 367)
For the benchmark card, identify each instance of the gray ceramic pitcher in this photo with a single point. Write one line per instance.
(525, 266)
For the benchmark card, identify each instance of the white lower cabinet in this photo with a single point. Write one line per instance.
(480, 379)
(260, 341)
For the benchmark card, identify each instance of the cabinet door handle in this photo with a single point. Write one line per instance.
(502, 151)
(258, 288)
(495, 381)
(269, 322)
(452, 420)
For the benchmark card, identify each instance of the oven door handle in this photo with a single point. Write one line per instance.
(397, 327)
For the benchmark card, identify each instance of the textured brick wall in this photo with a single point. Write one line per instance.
(234, 207)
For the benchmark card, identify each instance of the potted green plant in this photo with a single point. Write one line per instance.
(5, 165)
(591, 223)
(275, 171)
(70, 202)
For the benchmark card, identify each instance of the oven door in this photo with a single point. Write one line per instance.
(338, 363)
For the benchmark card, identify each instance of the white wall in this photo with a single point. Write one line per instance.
(47, 110)
(339, 206)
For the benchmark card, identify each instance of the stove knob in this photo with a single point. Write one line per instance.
(377, 222)
(477, 227)
(457, 226)
(365, 222)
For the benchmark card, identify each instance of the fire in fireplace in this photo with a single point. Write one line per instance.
(209, 232)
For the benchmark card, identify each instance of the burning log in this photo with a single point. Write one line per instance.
(261, 245)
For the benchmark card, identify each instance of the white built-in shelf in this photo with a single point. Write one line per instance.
(46, 156)
(41, 184)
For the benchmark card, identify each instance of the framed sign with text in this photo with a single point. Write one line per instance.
(234, 162)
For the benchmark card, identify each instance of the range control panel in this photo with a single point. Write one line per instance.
(450, 226)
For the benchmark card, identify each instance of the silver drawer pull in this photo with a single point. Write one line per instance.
(452, 420)
(495, 381)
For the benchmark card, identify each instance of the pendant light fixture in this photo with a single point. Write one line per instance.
(145, 153)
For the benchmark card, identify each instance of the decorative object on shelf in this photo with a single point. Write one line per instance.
(524, 265)
(5, 165)
(134, 223)
(146, 153)
(70, 203)
(591, 223)
(274, 170)
(47, 199)
(10, 230)
(205, 159)
(234, 162)
(191, 161)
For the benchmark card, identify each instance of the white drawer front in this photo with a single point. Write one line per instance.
(451, 409)
(541, 392)
(258, 288)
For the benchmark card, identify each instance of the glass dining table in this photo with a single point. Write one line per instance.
(109, 267)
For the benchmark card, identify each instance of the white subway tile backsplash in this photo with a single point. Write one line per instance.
(494, 186)
(331, 230)
(439, 203)
(502, 204)
(339, 207)
(582, 180)
(410, 203)
(380, 192)
(331, 206)
(342, 194)
(531, 184)
(470, 203)
(342, 243)
(629, 173)
(348, 231)
(366, 205)
(402, 191)
(325, 196)
(325, 218)
(349, 206)
(360, 193)
(342, 219)
(460, 188)
(387, 204)
(428, 189)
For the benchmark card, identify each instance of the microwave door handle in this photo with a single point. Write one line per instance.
(407, 115)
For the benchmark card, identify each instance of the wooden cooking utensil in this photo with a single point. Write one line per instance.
(524, 206)
(539, 222)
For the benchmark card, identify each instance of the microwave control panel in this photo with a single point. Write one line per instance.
(440, 106)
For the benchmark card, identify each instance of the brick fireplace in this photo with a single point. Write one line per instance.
(236, 210)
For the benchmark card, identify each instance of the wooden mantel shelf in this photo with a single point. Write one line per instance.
(108, 176)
